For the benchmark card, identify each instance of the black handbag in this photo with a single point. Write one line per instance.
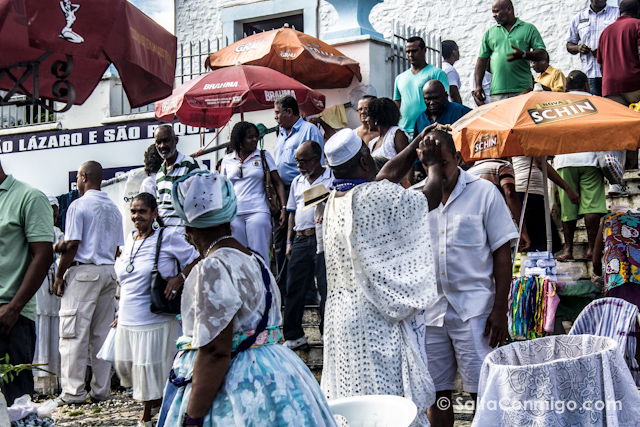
(159, 303)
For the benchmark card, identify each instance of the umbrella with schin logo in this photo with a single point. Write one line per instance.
(542, 123)
(211, 99)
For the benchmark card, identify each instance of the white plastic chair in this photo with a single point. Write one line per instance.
(375, 410)
(614, 318)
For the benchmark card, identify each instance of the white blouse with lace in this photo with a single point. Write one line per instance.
(226, 287)
(380, 275)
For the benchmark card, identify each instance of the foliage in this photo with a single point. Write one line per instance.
(9, 372)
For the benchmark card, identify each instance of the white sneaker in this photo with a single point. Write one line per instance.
(294, 344)
(617, 190)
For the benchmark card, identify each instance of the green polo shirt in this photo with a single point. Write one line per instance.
(25, 217)
(510, 77)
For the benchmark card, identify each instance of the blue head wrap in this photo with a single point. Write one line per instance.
(204, 199)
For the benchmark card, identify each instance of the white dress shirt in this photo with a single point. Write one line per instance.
(95, 221)
(305, 218)
(586, 28)
(466, 231)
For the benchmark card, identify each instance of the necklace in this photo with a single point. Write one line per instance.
(132, 256)
(347, 184)
(215, 242)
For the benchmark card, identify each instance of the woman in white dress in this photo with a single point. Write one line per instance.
(383, 116)
(47, 320)
(144, 341)
(229, 369)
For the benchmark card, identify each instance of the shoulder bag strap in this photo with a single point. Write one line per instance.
(265, 167)
(262, 325)
(158, 245)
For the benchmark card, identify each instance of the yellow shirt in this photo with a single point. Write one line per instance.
(553, 79)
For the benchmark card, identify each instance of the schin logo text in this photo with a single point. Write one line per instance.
(550, 112)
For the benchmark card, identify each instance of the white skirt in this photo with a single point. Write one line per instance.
(144, 355)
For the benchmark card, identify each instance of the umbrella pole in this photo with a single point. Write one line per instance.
(524, 208)
(547, 211)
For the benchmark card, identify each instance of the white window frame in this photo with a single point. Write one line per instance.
(237, 12)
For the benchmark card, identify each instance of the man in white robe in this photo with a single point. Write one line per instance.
(380, 277)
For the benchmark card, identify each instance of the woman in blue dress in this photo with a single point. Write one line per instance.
(229, 369)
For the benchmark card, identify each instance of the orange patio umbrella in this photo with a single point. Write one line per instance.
(542, 123)
(545, 124)
(301, 56)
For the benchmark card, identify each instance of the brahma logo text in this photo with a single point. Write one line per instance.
(274, 95)
(222, 85)
(485, 142)
(549, 112)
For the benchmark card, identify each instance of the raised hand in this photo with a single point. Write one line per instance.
(516, 54)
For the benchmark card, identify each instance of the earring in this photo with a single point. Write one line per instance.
(155, 224)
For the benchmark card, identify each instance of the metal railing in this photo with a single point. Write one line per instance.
(119, 103)
(401, 33)
(13, 116)
(191, 57)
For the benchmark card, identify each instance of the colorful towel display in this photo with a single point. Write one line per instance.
(532, 306)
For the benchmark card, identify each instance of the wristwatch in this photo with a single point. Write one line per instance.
(188, 421)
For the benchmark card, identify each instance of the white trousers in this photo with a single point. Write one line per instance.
(254, 231)
(86, 311)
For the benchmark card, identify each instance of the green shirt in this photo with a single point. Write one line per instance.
(25, 217)
(408, 90)
(510, 77)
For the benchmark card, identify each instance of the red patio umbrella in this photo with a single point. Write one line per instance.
(211, 99)
(59, 50)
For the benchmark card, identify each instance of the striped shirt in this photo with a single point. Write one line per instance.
(165, 180)
(498, 172)
(586, 28)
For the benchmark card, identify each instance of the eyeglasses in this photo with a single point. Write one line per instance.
(240, 169)
(363, 110)
(304, 161)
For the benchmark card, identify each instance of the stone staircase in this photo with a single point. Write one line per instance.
(312, 356)
(581, 268)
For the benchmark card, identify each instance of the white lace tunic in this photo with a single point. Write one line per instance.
(226, 287)
(380, 276)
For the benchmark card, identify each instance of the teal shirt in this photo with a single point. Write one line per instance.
(510, 77)
(25, 217)
(408, 90)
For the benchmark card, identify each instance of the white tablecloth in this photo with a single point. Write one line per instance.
(564, 380)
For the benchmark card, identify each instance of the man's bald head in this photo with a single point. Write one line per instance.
(89, 176)
(92, 170)
(435, 97)
(508, 4)
(503, 12)
(434, 85)
(308, 157)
